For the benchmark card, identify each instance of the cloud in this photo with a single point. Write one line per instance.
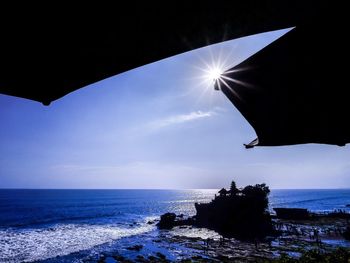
(180, 118)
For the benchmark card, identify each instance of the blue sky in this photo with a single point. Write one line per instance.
(158, 126)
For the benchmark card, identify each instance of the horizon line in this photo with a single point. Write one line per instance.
(169, 189)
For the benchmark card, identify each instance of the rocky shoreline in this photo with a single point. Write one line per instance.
(296, 238)
(242, 230)
(238, 228)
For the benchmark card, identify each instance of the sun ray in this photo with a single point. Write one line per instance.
(242, 83)
(213, 72)
(236, 70)
(231, 89)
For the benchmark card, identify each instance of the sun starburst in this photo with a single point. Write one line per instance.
(214, 73)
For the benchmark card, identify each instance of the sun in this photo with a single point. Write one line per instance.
(214, 73)
(210, 71)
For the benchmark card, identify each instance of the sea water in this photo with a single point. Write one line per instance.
(69, 225)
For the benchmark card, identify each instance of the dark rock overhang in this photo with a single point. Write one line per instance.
(50, 50)
(295, 90)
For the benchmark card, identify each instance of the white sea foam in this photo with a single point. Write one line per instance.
(196, 232)
(35, 244)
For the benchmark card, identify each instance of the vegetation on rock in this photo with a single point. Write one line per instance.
(238, 213)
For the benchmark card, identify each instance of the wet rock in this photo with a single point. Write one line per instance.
(135, 248)
(180, 216)
(102, 259)
(346, 233)
(170, 220)
(167, 221)
(140, 258)
(160, 255)
(152, 258)
(339, 213)
(292, 213)
(119, 258)
(222, 258)
(124, 260)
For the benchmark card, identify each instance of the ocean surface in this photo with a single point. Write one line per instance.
(75, 225)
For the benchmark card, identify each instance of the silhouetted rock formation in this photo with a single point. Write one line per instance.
(167, 221)
(237, 213)
(170, 220)
(292, 213)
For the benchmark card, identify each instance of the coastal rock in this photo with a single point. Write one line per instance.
(292, 213)
(119, 258)
(339, 213)
(140, 258)
(152, 258)
(170, 220)
(102, 259)
(135, 248)
(167, 221)
(241, 214)
(160, 255)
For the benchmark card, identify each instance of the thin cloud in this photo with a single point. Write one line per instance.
(181, 118)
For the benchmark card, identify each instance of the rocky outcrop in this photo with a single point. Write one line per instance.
(292, 213)
(241, 214)
(170, 220)
(167, 221)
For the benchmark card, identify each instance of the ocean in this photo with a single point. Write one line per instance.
(78, 225)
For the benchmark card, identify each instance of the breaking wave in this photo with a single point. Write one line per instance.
(28, 245)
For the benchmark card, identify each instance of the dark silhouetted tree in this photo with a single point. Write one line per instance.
(233, 189)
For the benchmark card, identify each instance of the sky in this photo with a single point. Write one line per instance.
(159, 126)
